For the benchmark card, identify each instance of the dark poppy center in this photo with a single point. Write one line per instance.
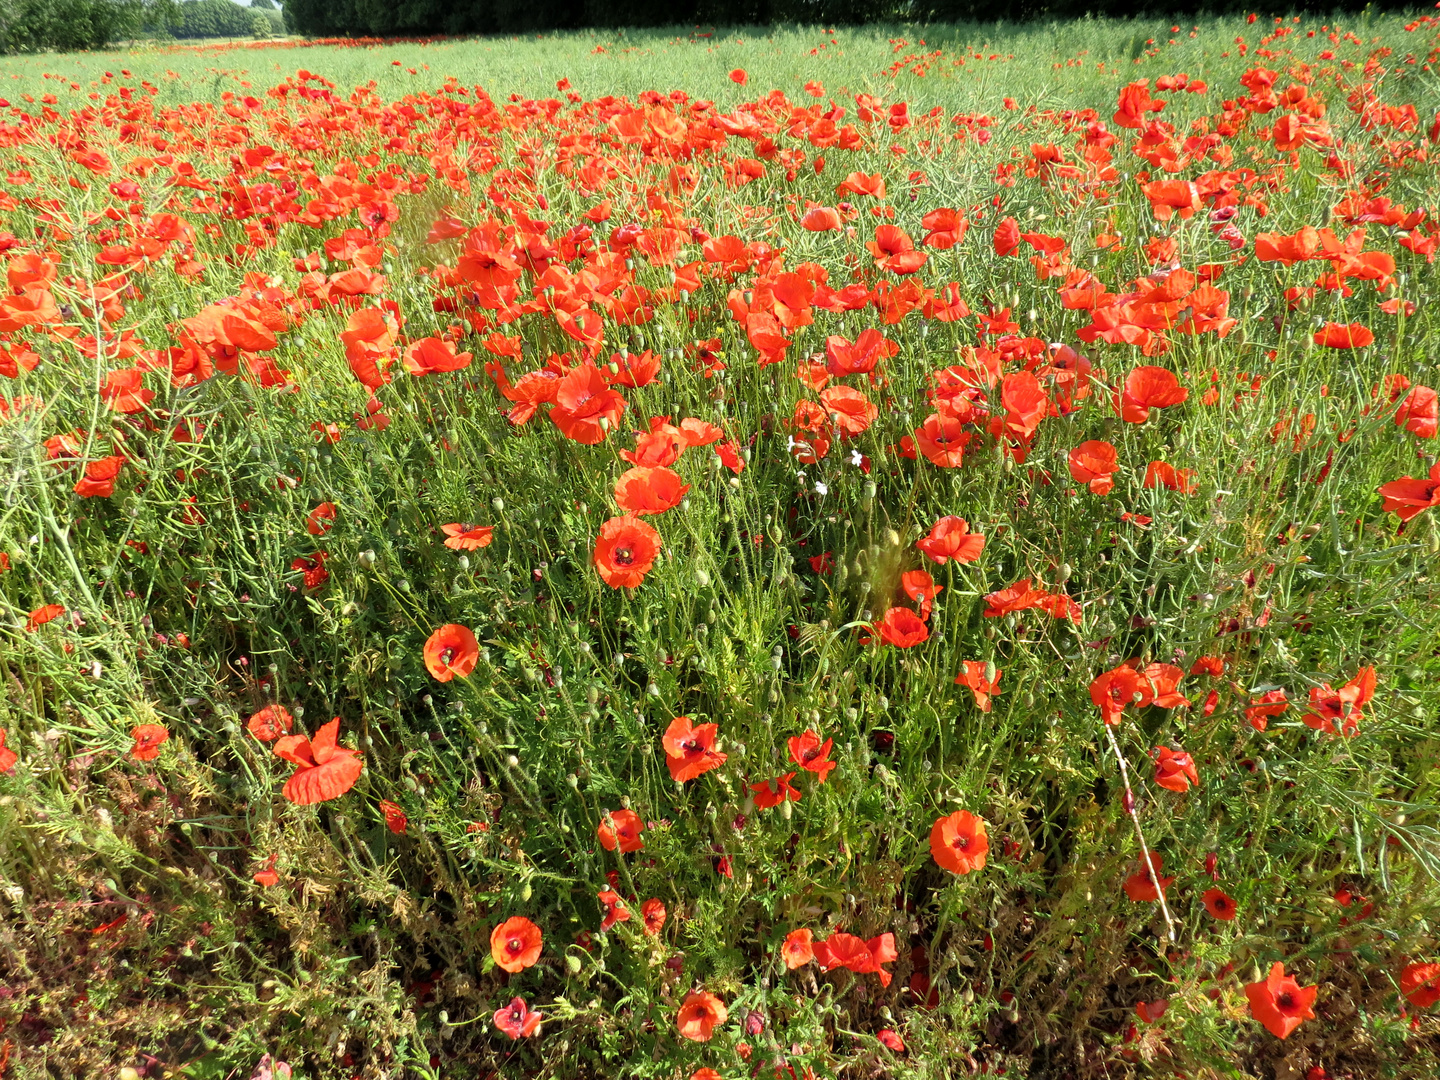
(1285, 1001)
(811, 755)
(515, 946)
(624, 556)
(962, 842)
(446, 655)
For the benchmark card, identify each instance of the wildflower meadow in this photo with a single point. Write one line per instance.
(795, 553)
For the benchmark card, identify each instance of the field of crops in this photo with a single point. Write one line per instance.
(788, 553)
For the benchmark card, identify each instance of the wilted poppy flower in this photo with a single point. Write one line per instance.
(811, 754)
(797, 950)
(1420, 983)
(1174, 770)
(1093, 463)
(1352, 336)
(689, 751)
(902, 628)
(1145, 884)
(517, 1019)
(615, 909)
(982, 679)
(148, 740)
(625, 551)
(320, 519)
(1150, 1011)
(1271, 703)
(951, 538)
(652, 914)
(451, 650)
(700, 1014)
(959, 842)
(1279, 1002)
(395, 819)
(462, 536)
(622, 831)
(1218, 904)
(324, 770)
(270, 723)
(649, 490)
(1408, 496)
(1329, 706)
(515, 944)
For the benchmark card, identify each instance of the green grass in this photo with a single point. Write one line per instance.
(371, 955)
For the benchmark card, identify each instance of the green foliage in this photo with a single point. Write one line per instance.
(26, 25)
(220, 18)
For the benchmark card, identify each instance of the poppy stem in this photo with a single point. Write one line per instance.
(1139, 833)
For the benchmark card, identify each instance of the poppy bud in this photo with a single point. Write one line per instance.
(572, 963)
(498, 503)
(525, 891)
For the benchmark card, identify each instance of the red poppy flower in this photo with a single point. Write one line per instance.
(517, 1019)
(1163, 474)
(844, 950)
(395, 819)
(942, 438)
(8, 757)
(1174, 770)
(320, 519)
(432, 355)
(1352, 336)
(451, 650)
(625, 551)
(689, 750)
(811, 754)
(1408, 496)
(649, 490)
(1327, 706)
(797, 950)
(919, 586)
(959, 842)
(1420, 983)
(772, 793)
(515, 944)
(622, 831)
(1145, 884)
(739, 77)
(850, 410)
(652, 914)
(1093, 463)
(1147, 388)
(902, 628)
(270, 723)
(466, 537)
(1218, 904)
(1279, 1002)
(821, 219)
(42, 615)
(98, 482)
(1271, 703)
(1113, 690)
(148, 740)
(700, 1014)
(615, 909)
(973, 674)
(1419, 413)
(891, 1040)
(586, 409)
(951, 538)
(324, 770)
